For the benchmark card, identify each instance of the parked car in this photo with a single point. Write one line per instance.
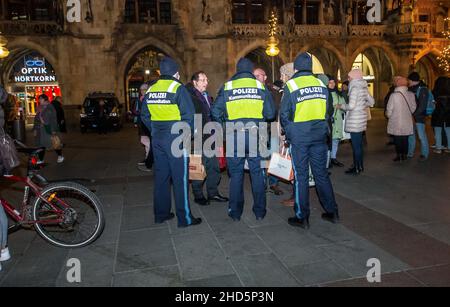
(90, 112)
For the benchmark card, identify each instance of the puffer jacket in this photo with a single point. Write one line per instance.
(359, 101)
(400, 110)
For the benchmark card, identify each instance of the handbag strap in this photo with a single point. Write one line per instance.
(406, 102)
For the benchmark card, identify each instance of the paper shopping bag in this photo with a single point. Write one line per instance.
(281, 166)
(196, 168)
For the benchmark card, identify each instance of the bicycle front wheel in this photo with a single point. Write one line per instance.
(71, 217)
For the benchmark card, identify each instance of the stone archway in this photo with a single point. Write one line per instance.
(329, 57)
(131, 53)
(382, 64)
(428, 68)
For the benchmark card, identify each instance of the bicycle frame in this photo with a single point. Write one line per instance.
(21, 217)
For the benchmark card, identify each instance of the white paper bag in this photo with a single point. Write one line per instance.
(281, 166)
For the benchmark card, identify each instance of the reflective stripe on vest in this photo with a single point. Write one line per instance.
(160, 101)
(310, 97)
(244, 99)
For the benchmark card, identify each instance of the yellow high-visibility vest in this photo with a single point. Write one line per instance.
(161, 102)
(244, 99)
(310, 95)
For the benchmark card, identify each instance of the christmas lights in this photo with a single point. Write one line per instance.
(444, 58)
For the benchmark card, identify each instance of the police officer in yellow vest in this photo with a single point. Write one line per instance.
(244, 102)
(304, 115)
(166, 103)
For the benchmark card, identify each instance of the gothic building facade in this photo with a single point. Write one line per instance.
(117, 43)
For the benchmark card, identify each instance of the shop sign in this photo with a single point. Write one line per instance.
(35, 71)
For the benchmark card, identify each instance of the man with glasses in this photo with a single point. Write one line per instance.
(203, 104)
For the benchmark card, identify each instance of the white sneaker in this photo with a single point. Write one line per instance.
(60, 159)
(5, 255)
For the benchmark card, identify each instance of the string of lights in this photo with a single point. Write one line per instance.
(444, 57)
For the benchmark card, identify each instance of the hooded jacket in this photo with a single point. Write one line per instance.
(399, 110)
(359, 101)
(310, 132)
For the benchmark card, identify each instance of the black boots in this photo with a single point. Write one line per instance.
(331, 217)
(335, 162)
(296, 222)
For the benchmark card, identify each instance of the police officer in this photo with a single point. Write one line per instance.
(304, 118)
(246, 101)
(167, 102)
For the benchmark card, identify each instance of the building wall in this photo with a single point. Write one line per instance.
(94, 56)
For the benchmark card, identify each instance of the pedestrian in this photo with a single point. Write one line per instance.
(145, 165)
(61, 118)
(102, 117)
(399, 111)
(357, 111)
(386, 101)
(441, 116)
(304, 118)
(419, 89)
(167, 103)
(338, 121)
(245, 100)
(344, 90)
(46, 127)
(203, 104)
(261, 76)
(4, 251)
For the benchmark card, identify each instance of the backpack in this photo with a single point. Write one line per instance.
(431, 102)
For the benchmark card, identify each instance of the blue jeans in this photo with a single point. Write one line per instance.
(438, 135)
(335, 148)
(424, 146)
(358, 152)
(3, 228)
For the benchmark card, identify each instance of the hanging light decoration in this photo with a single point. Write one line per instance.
(444, 57)
(4, 52)
(272, 44)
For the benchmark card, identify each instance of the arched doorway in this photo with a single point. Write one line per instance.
(143, 67)
(271, 65)
(28, 74)
(378, 71)
(428, 69)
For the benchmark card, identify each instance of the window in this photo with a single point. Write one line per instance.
(30, 10)
(298, 11)
(148, 11)
(312, 13)
(424, 18)
(256, 11)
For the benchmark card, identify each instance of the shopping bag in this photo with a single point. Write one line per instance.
(8, 152)
(312, 182)
(346, 135)
(197, 170)
(56, 142)
(281, 166)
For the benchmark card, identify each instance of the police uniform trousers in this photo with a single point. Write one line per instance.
(315, 155)
(170, 170)
(236, 166)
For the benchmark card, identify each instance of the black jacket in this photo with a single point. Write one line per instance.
(441, 115)
(422, 102)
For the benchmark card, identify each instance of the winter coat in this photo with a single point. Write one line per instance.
(46, 124)
(61, 118)
(359, 101)
(400, 110)
(338, 116)
(441, 115)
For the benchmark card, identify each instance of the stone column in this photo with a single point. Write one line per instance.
(304, 13)
(321, 9)
(4, 9)
(356, 12)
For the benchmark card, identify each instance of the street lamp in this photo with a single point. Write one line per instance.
(272, 43)
(4, 52)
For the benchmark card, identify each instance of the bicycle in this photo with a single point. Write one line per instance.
(65, 214)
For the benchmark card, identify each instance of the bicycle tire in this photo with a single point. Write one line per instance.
(66, 186)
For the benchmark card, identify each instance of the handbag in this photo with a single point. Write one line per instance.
(8, 151)
(197, 170)
(56, 142)
(412, 113)
(281, 165)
